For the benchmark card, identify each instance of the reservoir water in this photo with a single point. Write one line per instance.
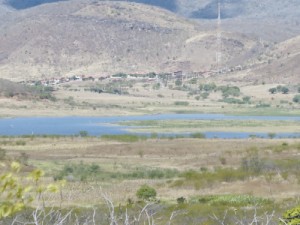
(98, 126)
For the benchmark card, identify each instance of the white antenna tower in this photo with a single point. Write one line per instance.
(219, 40)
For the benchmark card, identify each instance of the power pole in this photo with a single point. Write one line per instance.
(219, 40)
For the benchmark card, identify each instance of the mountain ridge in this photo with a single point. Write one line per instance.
(104, 37)
(109, 37)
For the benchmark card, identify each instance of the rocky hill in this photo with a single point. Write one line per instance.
(79, 37)
(273, 20)
(52, 38)
(282, 63)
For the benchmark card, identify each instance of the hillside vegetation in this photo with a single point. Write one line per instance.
(10, 89)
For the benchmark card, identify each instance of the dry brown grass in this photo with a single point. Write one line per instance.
(181, 154)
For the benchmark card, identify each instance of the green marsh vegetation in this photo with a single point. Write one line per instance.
(215, 125)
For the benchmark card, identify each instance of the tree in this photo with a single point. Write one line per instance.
(271, 135)
(83, 133)
(296, 99)
(209, 87)
(193, 81)
(285, 90)
(178, 82)
(146, 192)
(273, 90)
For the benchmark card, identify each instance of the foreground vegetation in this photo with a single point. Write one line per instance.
(168, 181)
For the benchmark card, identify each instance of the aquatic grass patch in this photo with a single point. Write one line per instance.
(124, 137)
(215, 124)
(198, 135)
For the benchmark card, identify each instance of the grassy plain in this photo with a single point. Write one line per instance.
(137, 97)
(121, 167)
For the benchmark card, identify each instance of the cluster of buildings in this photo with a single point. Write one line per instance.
(145, 77)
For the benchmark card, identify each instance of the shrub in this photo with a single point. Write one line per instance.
(178, 82)
(20, 142)
(252, 164)
(230, 91)
(82, 172)
(124, 137)
(262, 105)
(207, 178)
(271, 135)
(23, 158)
(204, 95)
(208, 87)
(296, 99)
(181, 200)
(193, 81)
(146, 192)
(14, 194)
(2, 154)
(272, 90)
(233, 101)
(83, 133)
(182, 103)
(284, 90)
(232, 200)
(156, 86)
(246, 99)
(198, 135)
(292, 216)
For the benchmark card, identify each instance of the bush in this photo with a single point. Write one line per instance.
(146, 192)
(279, 88)
(252, 164)
(272, 90)
(20, 142)
(296, 99)
(182, 103)
(271, 135)
(292, 216)
(2, 154)
(83, 133)
(124, 137)
(233, 101)
(230, 91)
(246, 99)
(198, 135)
(14, 194)
(232, 200)
(284, 90)
(208, 178)
(204, 95)
(181, 200)
(208, 87)
(178, 82)
(23, 158)
(82, 172)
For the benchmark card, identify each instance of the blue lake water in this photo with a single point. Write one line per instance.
(98, 126)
